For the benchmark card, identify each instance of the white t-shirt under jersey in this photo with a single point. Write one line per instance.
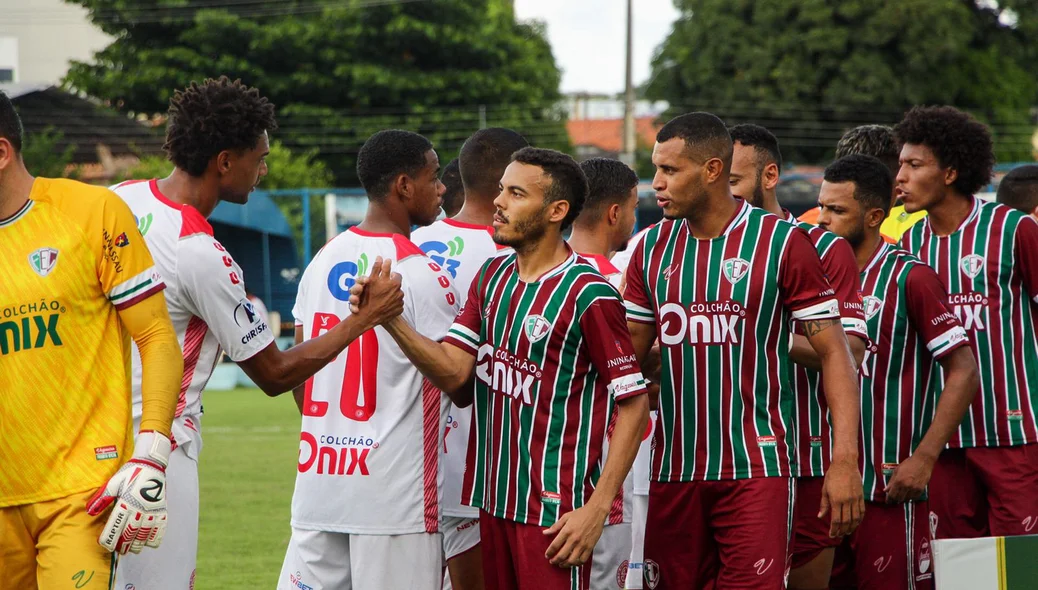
(369, 450)
(461, 249)
(205, 294)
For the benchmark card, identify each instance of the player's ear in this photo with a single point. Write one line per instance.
(558, 211)
(874, 217)
(403, 186)
(8, 155)
(950, 176)
(613, 214)
(712, 170)
(224, 161)
(771, 176)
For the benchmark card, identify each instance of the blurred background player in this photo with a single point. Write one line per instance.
(216, 137)
(1019, 189)
(79, 283)
(722, 495)
(986, 483)
(907, 417)
(366, 507)
(756, 165)
(461, 245)
(454, 195)
(544, 335)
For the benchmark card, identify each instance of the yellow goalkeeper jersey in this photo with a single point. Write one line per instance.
(69, 259)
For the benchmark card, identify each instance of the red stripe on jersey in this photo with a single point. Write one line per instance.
(193, 337)
(431, 455)
(193, 223)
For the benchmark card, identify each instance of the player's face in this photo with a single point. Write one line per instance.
(427, 193)
(679, 181)
(746, 176)
(921, 181)
(243, 171)
(840, 213)
(522, 216)
(627, 219)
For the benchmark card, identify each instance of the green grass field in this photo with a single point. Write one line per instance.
(246, 473)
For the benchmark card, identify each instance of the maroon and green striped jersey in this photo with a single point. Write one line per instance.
(989, 265)
(552, 358)
(813, 430)
(723, 309)
(910, 328)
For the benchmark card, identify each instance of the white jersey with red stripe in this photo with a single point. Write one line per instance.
(205, 294)
(369, 450)
(605, 268)
(461, 249)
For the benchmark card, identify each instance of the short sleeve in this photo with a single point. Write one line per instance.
(212, 282)
(125, 268)
(841, 270)
(805, 292)
(299, 307)
(636, 293)
(465, 331)
(928, 311)
(432, 299)
(604, 328)
(1027, 255)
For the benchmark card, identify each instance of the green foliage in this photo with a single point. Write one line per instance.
(286, 169)
(810, 69)
(44, 157)
(338, 72)
(148, 167)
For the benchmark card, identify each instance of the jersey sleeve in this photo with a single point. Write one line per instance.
(604, 327)
(928, 311)
(465, 332)
(432, 299)
(1027, 255)
(805, 292)
(636, 294)
(299, 307)
(841, 269)
(125, 268)
(211, 281)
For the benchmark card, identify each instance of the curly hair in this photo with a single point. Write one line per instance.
(568, 182)
(216, 115)
(877, 141)
(388, 154)
(957, 139)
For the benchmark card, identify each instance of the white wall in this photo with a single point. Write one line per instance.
(49, 34)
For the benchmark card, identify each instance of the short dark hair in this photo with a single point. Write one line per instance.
(485, 155)
(216, 115)
(568, 182)
(1019, 188)
(10, 122)
(764, 143)
(877, 141)
(454, 196)
(957, 139)
(388, 154)
(609, 183)
(705, 136)
(872, 180)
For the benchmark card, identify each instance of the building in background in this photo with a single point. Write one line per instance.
(39, 38)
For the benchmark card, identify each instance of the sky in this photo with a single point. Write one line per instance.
(588, 37)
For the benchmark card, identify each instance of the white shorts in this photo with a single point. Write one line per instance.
(636, 567)
(318, 560)
(609, 561)
(459, 535)
(172, 565)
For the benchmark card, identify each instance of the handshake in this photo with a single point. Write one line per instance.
(377, 299)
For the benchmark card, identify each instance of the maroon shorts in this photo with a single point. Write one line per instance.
(719, 534)
(890, 550)
(985, 492)
(513, 558)
(810, 533)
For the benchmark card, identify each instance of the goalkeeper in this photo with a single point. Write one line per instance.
(78, 283)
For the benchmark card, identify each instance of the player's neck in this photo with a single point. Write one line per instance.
(708, 222)
(585, 240)
(948, 214)
(549, 252)
(383, 220)
(197, 192)
(870, 242)
(477, 210)
(15, 189)
(771, 204)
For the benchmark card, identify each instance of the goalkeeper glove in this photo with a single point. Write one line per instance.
(138, 491)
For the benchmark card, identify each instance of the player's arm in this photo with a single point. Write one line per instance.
(641, 322)
(1027, 255)
(299, 393)
(948, 343)
(162, 362)
(804, 354)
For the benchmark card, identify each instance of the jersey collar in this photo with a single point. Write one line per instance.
(558, 270)
(965, 222)
(879, 254)
(18, 214)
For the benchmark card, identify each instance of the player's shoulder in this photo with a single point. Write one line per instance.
(1003, 215)
(588, 280)
(75, 198)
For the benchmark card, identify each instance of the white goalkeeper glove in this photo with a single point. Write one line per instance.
(138, 491)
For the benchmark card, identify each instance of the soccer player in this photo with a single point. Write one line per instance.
(720, 282)
(544, 335)
(907, 417)
(1019, 189)
(756, 165)
(986, 483)
(454, 196)
(216, 137)
(78, 284)
(366, 507)
(461, 245)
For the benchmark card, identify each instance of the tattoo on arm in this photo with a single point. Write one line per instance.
(812, 327)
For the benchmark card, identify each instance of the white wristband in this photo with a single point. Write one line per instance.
(153, 446)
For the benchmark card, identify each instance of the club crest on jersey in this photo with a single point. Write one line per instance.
(972, 265)
(537, 327)
(872, 305)
(121, 241)
(43, 260)
(652, 574)
(735, 269)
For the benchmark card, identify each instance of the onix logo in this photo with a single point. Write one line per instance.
(714, 322)
(506, 374)
(344, 275)
(444, 254)
(970, 308)
(344, 460)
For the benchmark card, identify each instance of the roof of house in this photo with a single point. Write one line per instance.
(607, 134)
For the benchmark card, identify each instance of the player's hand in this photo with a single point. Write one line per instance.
(576, 535)
(138, 492)
(909, 480)
(377, 298)
(843, 496)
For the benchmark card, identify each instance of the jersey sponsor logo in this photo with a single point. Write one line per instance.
(710, 323)
(109, 250)
(735, 269)
(445, 254)
(872, 306)
(767, 441)
(107, 452)
(972, 265)
(452, 424)
(933, 525)
(122, 241)
(43, 260)
(670, 270)
(335, 455)
(245, 315)
(33, 330)
(1028, 523)
(652, 574)
(882, 564)
(144, 223)
(344, 275)
(537, 327)
(507, 374)
(624, 362)
(924, 561)
(551, 498)
(467, 525)
(888, 468)
(296, 580)
(1015, 415)
(621, 574)
(815, 442)
(763, 565)
(970, 308)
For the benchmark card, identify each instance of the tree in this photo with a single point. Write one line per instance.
(811, 69)
(338, 72)
(44, 157)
